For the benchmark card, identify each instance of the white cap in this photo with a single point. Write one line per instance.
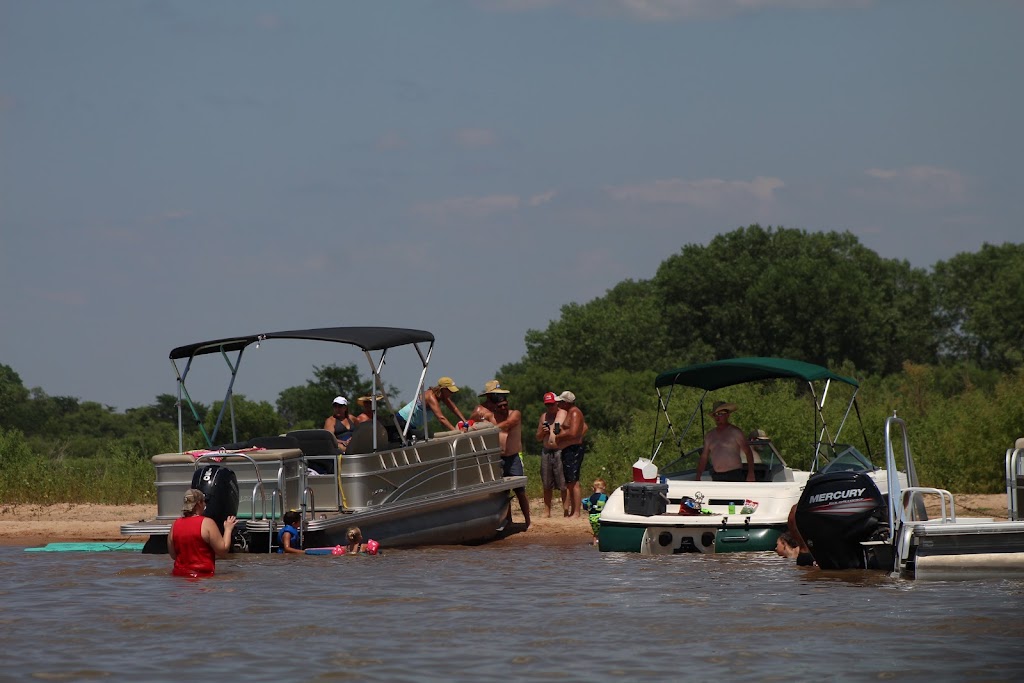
(567, 397)
(340, 400)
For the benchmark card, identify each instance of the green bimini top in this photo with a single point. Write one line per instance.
(731, 371)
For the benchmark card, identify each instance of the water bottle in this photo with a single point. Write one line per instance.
(732, 508)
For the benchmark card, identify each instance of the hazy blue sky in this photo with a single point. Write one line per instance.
(172, 172)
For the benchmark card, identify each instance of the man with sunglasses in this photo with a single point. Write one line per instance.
(723, 446)
(509, 422)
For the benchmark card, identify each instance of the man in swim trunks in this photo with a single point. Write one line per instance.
(570, 441)
(551, 473)
(509, 422)
(723, 446)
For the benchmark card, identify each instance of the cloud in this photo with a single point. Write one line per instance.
(919, 186)
(709, 193)
(469, 207)
(539, 199)
(669, 10)
(475, 138)
(480, 207)
(391, 141)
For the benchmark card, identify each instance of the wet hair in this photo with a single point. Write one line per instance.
(788, 539)
(291, 518)
(353, 534)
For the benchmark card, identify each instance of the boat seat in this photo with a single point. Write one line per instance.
(362, 438)
(316, 441)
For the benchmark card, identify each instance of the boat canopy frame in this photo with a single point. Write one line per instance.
(733, 371)
(374, 342)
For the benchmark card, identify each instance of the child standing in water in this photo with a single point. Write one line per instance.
(594, 504)
(289, 538)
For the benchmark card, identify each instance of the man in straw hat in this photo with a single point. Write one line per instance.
(509, 422)
(723, 446)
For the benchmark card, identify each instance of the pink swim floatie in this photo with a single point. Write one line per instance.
(337, 550)
(372, 547)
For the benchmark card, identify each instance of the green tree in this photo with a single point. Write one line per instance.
(309, 405)
(979, 303)
(819, 297)
(13, 397)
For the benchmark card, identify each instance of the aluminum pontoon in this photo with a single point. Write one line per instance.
(400, 488)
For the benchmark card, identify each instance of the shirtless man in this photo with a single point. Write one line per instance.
(723, 446)
(570, 441)
(509, 422)
(551, 473)
(432, 398)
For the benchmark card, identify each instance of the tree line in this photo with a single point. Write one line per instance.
(936, 342)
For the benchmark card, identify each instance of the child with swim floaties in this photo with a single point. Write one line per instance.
(594, 503)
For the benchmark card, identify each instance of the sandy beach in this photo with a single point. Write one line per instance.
(34, 525)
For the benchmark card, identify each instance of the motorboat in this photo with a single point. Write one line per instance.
(665, 510)
(399, 486)
(849, 524)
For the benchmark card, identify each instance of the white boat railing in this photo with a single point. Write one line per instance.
(1015, 483)
(893, 468)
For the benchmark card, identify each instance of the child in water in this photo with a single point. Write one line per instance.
(355, 541)
(289, 539)
(594, 504)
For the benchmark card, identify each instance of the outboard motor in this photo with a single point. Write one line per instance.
(835, 513)
(220, 486)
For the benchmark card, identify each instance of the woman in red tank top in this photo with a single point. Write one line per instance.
(195, 541)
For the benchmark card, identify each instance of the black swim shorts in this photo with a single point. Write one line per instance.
(572, 461)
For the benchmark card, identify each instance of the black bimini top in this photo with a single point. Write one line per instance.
(732, 371)
(366, 338)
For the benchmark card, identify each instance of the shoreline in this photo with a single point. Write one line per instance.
(30, 524)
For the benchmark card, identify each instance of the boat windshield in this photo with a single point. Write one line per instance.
(767, 462)
(848, 459)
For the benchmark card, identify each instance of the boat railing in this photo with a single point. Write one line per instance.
(307, 504)
(1015, 484)
(912, 509)
(896, 428)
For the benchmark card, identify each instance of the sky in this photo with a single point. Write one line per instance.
(175, 172)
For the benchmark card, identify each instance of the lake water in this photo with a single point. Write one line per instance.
(490, 612)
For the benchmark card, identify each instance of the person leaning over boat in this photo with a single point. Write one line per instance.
(570, 441)
(723, 446)
(195, 542)
(509, 422)
(551, 472)
(432, 398)
(340, 423)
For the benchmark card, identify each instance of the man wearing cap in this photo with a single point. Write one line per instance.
(551, 473)
(412, 413)
(570, 441)
(509, 422)
(340, 423)
(723, 446)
